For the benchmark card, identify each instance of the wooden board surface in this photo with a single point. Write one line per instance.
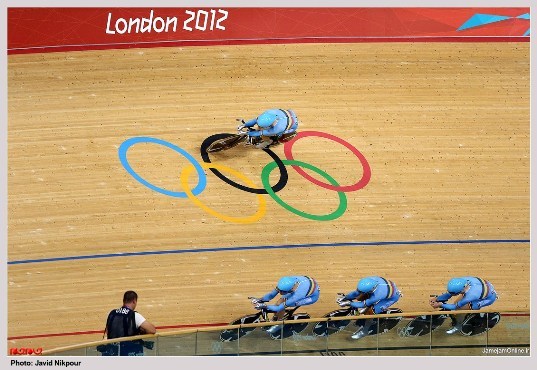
(444, 128)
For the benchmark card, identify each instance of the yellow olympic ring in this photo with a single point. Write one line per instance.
(239, 220)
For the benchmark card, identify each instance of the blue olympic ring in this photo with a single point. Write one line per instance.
(177, 194)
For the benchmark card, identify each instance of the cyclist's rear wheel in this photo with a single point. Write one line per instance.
(324, 328)
(479, 322)
(288, 330)
(422, 325)
(226, 143)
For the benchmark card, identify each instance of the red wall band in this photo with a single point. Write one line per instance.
(32, 30)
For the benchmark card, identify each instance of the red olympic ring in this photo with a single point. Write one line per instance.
(366, 176)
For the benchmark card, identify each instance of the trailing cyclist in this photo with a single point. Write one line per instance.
(472, 293)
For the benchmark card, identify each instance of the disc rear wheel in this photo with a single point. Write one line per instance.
(226, 143)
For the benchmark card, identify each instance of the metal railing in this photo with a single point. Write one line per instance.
(510, 336)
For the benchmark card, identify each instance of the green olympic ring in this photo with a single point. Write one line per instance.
(332, 216)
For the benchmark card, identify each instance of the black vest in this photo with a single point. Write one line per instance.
(121, 323)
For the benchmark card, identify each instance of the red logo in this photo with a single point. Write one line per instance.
(25, 351)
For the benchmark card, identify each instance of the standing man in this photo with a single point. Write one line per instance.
(126, 322)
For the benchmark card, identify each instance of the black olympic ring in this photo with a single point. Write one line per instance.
(283, 171)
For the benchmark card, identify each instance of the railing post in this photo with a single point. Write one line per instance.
(157, 345)
(239, 340)
(430, 335)
(378, 335)
(326, 333)
(196, 345)
(281, 338)
(487, 337)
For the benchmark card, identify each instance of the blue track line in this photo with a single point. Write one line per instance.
(262, 247)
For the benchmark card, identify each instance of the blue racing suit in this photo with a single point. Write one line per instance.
(305, 294)
(385, 295)
(480, 294)
(286, 123)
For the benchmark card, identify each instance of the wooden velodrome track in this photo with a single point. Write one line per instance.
(443, 126)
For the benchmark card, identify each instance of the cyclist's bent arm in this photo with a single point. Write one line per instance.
(359, 304)
(250, 123)
(443, 298)
(463, 302)
(276, 308)
(267, 297)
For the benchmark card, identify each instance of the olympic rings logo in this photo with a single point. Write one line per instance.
(248, 185)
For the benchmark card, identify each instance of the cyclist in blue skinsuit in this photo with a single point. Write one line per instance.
(295, 291)
(276, 124)
(473, 293)
(374, 294)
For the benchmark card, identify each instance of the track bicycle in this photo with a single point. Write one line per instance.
(277, 331)
(364, 327)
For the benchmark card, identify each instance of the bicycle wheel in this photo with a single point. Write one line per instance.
(324, 328)
(276, 331)
(422, 325)
(225, 143)
(478, 323)
(229, 335)
(388, 323)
